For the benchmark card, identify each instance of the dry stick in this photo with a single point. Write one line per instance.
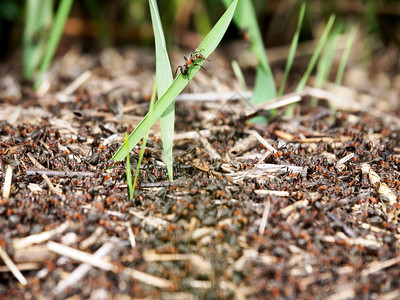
(212, 172)
(40, 237)
(99, 263)
(279, 102)
(376, 267)
(264, 218)
(153, 221)
(346, 228)
(77, 83)
(341, 162)
(7, 182)
(35, 162)
(243, 145)
(262, 141)
(13, 268)
(131, 235)
(80, 272)
(59, 173)
(80, 256)
(51, 186)
(22, 267)
(204, 97)
(272, 192)
(208, 147)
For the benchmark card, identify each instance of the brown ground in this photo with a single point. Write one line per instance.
(299, 208)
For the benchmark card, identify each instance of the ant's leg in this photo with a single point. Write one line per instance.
(180, 67)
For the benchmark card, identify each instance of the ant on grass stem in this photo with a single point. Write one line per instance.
(195, 58)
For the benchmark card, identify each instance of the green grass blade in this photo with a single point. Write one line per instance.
(131, 188)
(38, 18)
(313, 60)
(144, 141)
(164, 80)
(326, 60)
(315, 56)
(55, 35)
(292, 50)
(245, 18)
(239, 75)
(346, 54)
(207, 46)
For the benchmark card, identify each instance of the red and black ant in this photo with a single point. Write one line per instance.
(194, 59)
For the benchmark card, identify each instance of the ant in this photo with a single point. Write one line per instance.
(193, 60)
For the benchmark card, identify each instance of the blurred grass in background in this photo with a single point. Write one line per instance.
(99, 24)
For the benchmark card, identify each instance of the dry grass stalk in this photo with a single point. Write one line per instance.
(12, 267)
(7, 182)
(40, 237)
(264, 218)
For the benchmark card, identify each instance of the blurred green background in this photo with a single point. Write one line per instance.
(97, 24)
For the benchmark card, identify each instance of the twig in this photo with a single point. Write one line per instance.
(104, 265)
(272, 168)
(77, 83)
(271, 192)
(204, 97)
(80, 272)
(59, 173)
(35, 162)
(29, 266)
(13, 268)
(208, 147)
(7, 182)
(153, 221)
(346, 228)
(81, 256)
(131, 235)
(264, 218)
(40, 237)
(341, 162)
(262, 141)
(376, 267)
(51, 186)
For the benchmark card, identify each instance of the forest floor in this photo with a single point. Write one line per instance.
(300, 207)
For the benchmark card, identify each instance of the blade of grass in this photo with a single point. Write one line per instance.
(39, 15)
(346, 54)
(207, 46)
(326, 60)
(311, 64)
(55, 35)
(164, 80)
(144, 141)
(239, 75)
(315, 56)
(292, 50)
(131, 188)
(246, 19)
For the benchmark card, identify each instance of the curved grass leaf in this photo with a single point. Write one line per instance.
(207, 46)
(164, 80)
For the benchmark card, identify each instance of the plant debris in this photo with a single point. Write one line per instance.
(293, 208)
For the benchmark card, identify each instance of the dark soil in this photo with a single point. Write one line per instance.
(239, 221)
